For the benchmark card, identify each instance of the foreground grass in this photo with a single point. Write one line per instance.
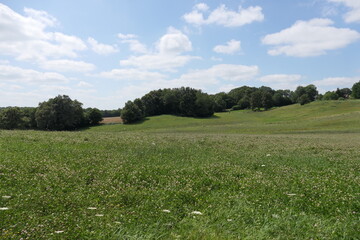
(108, 183)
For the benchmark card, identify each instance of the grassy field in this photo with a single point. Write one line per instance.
(289, 173)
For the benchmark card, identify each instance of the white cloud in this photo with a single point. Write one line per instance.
(65, 65)
(223, 16)
(132, 74)
(136, 46)
(201, 7)
(126, 36)
(354, 14)
(221, 72)
(83, 84)
(310, 38)
(100, 48)
(159, 62)
(13, 74)
(25, 37)
(281, 81)
(340, 82)
(41, 16)
(174, 42)
(231, 47)
(168, 55)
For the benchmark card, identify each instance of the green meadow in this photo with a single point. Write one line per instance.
(288, 173)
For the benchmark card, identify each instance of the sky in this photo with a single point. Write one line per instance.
(106, 52)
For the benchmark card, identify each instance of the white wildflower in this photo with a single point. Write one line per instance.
(229, 220)
(4, 208)
(166, 211)
(263, 165)
(92, 208)
(291, 194)
(6, 197)
(196, 213)
(268, 155)
(59, 231)
(99, 215)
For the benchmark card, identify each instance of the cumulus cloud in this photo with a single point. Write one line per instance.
(14, 74)
(65, 65)
(132, 74)
(168, 55)
(174, 42)
(83, 84)
(231, 47)
(223, 16)
(340, 82)
(100, 48)
(126, 36)
(310, 38)
(353, 15)
(157, 61)
(26, 38)
(281, 81)
(201, 78)
(135, 45)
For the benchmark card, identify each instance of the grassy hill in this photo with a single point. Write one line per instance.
(288, 173)
(322, 116)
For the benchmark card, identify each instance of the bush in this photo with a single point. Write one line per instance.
(131, 113)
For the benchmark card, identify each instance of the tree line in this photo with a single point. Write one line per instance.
(62, 113)
(59, 113)
(191, 102)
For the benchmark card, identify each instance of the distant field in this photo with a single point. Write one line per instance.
(109, 120)
(289, 173)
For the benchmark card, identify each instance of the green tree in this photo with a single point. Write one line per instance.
(131, 113)
(330, 96)
(204, 105)
(266, 100)
(59, 113)
(356, 90)
(304, 99)
(93, 116)
(11, 118)
(256, 100)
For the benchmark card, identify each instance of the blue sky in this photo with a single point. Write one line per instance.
(104, 53)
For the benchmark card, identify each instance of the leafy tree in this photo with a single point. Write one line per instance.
(244, 103)
(59, 113)
(344, 92)
(330, 96)
(356, 90)
(219, 103)
(256, 100)
(187, 101)
(11, 118)
(204, 105)
(94, 116)
(131, 113)
(153, 103)
(266, 100)
(304, 99)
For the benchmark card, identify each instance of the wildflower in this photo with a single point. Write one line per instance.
(99, 215)
(229, 220)
(291, 194)
(92, 208)
(268, 155)
(59, 231)
(166, 211)
(196, 213)
(4, 208)
(263, 165)
(6, 197)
